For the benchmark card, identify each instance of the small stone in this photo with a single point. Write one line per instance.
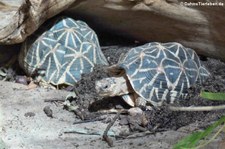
(134, 111)
(21, 80)
(124, 121)
(29, 114)
(48, 111)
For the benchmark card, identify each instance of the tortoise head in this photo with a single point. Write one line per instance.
(109, 87)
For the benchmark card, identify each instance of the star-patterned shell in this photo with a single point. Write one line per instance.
(61, 54)
(162, 71)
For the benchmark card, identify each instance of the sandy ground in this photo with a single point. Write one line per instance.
(24, 125)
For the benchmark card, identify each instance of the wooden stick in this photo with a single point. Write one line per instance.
(105, 134)
(200, 108)
(54, 99)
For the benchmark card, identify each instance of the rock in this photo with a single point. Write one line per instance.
(135, 111)
(193, 24)
(20, 18)
(199, 27)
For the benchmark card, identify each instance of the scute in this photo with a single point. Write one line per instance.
(62, 53)
(162, 71)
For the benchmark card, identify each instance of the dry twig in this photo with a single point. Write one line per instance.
(105, 134)
(200, 108)
(54, 100)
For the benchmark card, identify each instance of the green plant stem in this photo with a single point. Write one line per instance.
(213, 96)
(210, 140)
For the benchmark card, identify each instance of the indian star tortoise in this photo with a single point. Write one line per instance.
(153, 73)
(62, 53)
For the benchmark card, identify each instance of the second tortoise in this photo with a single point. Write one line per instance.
(61, 54)
(153, 73)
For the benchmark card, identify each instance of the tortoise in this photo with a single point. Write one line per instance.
(62, 53)
(153, 73)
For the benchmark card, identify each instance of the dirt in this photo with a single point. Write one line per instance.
(159, 119)
(29, 121)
